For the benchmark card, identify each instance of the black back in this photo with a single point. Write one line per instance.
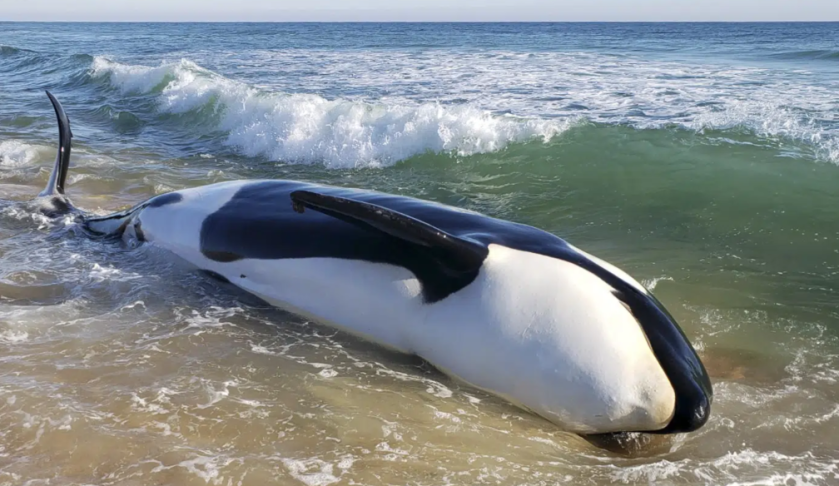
(260, 222)
(264, 208)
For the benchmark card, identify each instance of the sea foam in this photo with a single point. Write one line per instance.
(777, 105)
(14, 153)
(449, 101)
(308, 128)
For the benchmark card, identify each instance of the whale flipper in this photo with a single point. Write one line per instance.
(55, 186)
(458, 255)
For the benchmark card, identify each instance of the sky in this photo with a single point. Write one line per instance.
(419, 10)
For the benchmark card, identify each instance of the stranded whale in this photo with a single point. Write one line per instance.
(505, 307)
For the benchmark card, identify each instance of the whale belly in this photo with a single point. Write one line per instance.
(377, 302)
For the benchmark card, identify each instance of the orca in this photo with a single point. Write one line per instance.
(504, 307)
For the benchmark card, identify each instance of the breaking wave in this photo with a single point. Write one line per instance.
(14, 153)
(343, 133)
(307, 128)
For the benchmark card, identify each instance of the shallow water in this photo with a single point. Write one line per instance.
(699, 158)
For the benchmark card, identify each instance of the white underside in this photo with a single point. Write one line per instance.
(540, 332)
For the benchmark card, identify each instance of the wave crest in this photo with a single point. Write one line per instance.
(773, 121)
(13, 51)
(307, 128)
(14, 154)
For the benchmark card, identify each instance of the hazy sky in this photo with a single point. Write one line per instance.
(417, 10)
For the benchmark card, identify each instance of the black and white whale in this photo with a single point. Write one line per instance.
(505, 307)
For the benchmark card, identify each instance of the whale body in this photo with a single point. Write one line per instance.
(505, 307)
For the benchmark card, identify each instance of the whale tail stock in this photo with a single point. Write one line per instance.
(52, 200)
(56, 203)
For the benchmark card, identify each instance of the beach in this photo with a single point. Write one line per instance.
(699, 158)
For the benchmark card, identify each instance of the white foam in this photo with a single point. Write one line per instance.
(651, 284)
(209, 468)
(10, 336)
(317, 472)
(215, 395)
(433, 387)
(22, 214)
(543, 87)
(727, 469)
(141, 79)
(14, 153)
(307, 128)
(213, 317)
(443, 100)
(109, 273)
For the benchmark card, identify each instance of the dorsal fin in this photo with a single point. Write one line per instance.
(55, 186)
(456, 255)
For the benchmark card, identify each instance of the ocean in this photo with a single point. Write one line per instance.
(700, 158)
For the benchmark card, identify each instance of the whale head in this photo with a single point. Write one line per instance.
(594, 355)
(673, 351)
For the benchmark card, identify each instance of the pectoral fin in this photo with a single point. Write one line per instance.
(455, 254)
